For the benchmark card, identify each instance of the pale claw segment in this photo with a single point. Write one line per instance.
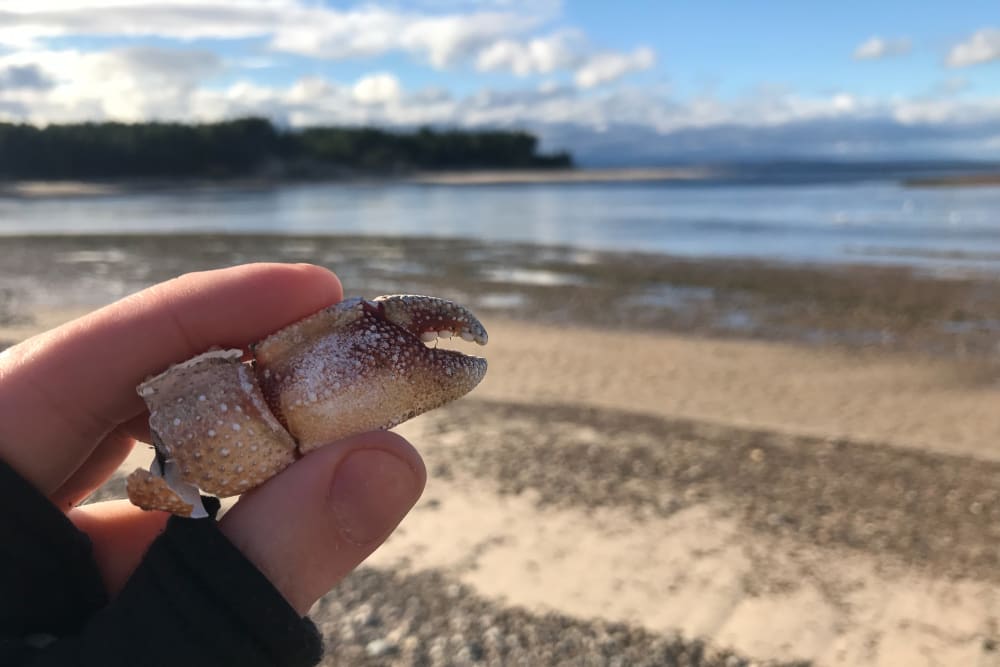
(156, 489)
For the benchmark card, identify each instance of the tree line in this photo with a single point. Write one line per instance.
(251, 147)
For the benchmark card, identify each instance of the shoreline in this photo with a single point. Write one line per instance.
(63, 188)
(56, 188)
(579, 175)
(961, 181)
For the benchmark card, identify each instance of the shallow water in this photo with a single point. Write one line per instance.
(943, 229)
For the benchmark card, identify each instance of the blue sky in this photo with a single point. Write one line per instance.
(616, 82)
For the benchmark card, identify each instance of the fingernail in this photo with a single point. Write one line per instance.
(372, 491)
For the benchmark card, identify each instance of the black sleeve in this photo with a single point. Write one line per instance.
(194, 600)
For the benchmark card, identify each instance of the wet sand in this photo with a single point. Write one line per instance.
(676, 493)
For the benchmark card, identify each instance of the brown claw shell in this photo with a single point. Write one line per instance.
(354, 367)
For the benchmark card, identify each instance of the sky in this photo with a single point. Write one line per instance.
(615, 82)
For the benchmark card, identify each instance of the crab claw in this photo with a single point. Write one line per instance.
(362, 365)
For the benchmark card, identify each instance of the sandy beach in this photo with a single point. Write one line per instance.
(510, 176)
(47, 189)
(989, 180)
(645, 479)
(464, 177)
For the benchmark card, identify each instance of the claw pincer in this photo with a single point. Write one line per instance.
(224, 425)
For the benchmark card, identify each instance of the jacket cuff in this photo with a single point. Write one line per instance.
(195, 599)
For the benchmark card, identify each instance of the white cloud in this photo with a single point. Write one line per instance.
(380, 88)
(304, 91)
(489, 34)
(542, 55)
(445, 39)
(29, 21)
(126, 84)
(160, 65)
(292, 26)
(439, 39)
(606, 67)
(631, 121)
(843, 102)
(252, 62)
(569, 80)
(136, 84)
(953, 112)
(983, 46)
(563, 50)
(877, 48)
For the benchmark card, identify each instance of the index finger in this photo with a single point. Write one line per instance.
(61, 392)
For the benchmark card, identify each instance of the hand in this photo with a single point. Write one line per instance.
(69, 415)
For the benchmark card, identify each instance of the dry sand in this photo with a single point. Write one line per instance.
(706, 565)
(785, 502)
(906, 401)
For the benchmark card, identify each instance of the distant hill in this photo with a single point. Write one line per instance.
(253, 147)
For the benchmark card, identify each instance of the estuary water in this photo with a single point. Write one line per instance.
(940, 229)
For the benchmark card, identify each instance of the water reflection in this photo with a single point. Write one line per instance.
(938, 227)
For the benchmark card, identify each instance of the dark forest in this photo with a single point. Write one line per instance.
(254, 147)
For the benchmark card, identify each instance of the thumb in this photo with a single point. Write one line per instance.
(309, 526)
